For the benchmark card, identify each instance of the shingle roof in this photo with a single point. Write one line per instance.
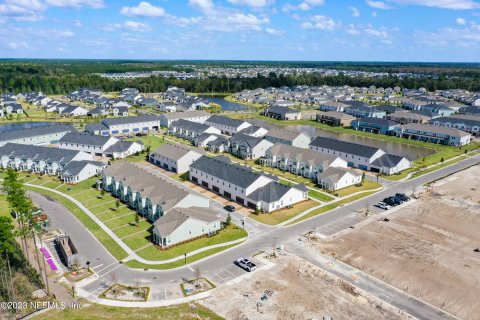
(38, 152)
(119, 146)
(334, 174)
(170, 222)
(240, 138)
(190, 126)
(132, 119)
(281, 110)
(225, 121)
(337, 115)
(388, 161)
(185, 115)
(283, 134)
(37, 131)
(434, 129)
(301, 154)
(236, 174)
(175, 151)
(377, 121)
(273, 191)
(345, 147)
(75, 167)
(85, 138)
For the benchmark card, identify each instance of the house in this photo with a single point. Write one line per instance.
(292, 138)
(390, 109)
(333, 106)
(202, 139)
(407, 117)
(76, 171)
(98, 112)
(13, 108)
(120, 111)
(218, 145)
(300, 161)
(254, 131)
(362, 111)
(73, 111)
(375, 125)
(190, 130)
(465, 122)
(102, 146)
(247, 147)
(167, 107)
(433, 134)
(125, 125)
(199, 116)
(147, 192)
(334, 178)
(282, 113)
(413, 104)
(43, 135)
(39, 159)
(227, 125)
(239, 183)
(335, 118)
(183, 224)
(439, 109)
(175, 157)
(358, 155)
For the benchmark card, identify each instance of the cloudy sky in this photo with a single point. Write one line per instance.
(353, 30)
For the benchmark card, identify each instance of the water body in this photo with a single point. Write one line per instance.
(410, 151)
(226, 105)
(24, 125)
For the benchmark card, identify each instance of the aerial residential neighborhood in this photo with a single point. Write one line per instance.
(239, 159)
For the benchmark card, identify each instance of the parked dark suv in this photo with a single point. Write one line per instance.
(391, 201)
(402, 196)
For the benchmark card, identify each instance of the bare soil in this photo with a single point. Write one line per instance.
(427, 248)
(293, 289)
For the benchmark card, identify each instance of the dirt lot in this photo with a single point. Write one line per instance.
(427, 247)
(297, 290)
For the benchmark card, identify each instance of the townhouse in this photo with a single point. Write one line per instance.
(465, 122)
(407, 117)
(282, 113)
(361, 156)
(43, 135)
(73, 111)
(199, 116)
(335, 118)
(146, 191)
(175, 157)
(292, 138)
(304, 162)
(190, 130)
(102, 146)
(227, 125)
(247, 147)
(375, 125)
(433, 134)
(243, 185)
(51, 161)
(125, 125)
(254, 131)
(362, 111)
(333, 106)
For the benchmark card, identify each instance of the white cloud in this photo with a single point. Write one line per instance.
(143, 9)
(273, 31)
(443, 4)
(204, 5)
(369, 30)
(378, 5)
(355, 12)
(95, 4)
(320, 22)
(461, 21)
(250, 3)
(451, 37)
(305, 5)
(77, 23)
(136, 26)
(17, 45)
(22, 10)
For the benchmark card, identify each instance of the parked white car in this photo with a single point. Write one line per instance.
(383, 205)
(246, 264)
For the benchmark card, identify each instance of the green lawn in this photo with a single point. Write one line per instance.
(439, 166)
(4, 210)
(100, 312)
(230, 233)
(139, 240)
(320, 196)
(148, 141)
(366, 185)
(138, 265)
(280, 216)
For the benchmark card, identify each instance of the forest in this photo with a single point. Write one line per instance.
(64, 76)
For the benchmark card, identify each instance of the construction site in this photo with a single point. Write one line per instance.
(294, 289)
(429, 247)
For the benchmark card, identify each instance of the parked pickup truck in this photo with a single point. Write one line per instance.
(246, 264)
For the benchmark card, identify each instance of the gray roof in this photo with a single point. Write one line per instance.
(388, 161)
(185, 115)
(245, 139)
(119, 146)
(149, 184)
(272, 191)
(236, 174)
(38, 152)
(345, 147)
(225, 121)
(283, 134)
(337, 115)
(334, 174)
(301, 154)
(467, 120)
(190, 126)
(33, 132)
(250, 130)
(175, 151)
(85, 138)
(75, 167)
(376, 121)
(133, 119)
(92, 127)
(434, 129)
(169, 222)
(281, 110)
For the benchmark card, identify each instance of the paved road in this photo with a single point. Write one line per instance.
(164, 284)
